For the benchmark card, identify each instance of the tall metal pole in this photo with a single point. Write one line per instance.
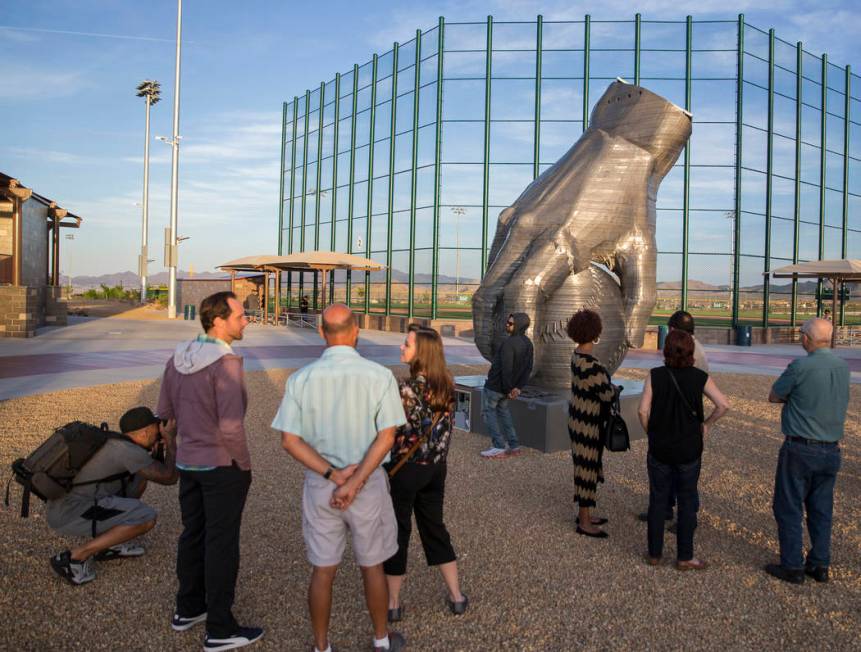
(174, 175)
(142, 265)
(769, 183)
(536, 154)
(822, 169)
(485, 168)
(440, 48)
(686, 191)
(796, 227)
(739, 143)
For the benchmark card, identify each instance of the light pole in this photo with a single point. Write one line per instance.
(174, 174)
(151, 91)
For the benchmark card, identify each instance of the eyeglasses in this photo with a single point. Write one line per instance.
(509, 323)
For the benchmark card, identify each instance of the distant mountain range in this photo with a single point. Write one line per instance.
(131, 280)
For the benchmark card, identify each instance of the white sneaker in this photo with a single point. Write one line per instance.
(120, 550)
(74, 572)
(494, 452)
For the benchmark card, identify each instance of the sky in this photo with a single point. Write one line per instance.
(73, 129)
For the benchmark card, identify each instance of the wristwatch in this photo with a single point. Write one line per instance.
(328, 473)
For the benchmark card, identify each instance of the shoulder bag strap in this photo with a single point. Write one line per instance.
(682, 396)
(421, 440)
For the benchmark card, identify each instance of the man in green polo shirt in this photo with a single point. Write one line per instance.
(338, 418)
(814, 391)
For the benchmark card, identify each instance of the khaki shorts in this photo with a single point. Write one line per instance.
(370, 519)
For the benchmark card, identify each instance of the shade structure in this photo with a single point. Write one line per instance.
(837, 271)
(306, 261)
(844, 270)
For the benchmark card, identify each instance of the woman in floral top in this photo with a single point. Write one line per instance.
(419, 485)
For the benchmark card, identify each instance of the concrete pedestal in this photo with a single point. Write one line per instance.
(540, 415)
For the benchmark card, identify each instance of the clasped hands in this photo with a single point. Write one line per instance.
(347, 489)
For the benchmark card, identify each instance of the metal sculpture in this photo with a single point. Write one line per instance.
(594, 205)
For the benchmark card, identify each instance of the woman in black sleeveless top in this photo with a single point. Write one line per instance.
(671, 412)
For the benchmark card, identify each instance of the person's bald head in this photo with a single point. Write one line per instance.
(338, 325)
(818, 332)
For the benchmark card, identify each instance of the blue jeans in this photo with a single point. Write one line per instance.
(663, 479)
(496, 415)
(805, 479)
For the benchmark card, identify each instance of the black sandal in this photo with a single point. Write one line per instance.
(458, 608)
(600, 534)
(595, 521)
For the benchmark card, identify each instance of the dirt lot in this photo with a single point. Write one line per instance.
(533, 583)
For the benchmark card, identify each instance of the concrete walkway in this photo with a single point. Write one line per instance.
(92, 352)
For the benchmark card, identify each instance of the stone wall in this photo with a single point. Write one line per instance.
(24, 309)
(34, 262)
(191, 291)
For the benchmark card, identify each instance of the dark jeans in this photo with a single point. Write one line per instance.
(805, 479)
(207, 558)
(420, 488)
(662, 479)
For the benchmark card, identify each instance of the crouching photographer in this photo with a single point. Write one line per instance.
(104, 502)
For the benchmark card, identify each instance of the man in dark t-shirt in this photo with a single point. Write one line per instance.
(112, 512)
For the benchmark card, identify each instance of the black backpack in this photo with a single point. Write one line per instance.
(49, 471)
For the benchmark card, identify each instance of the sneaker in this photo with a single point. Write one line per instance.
(242, 637)
(513, 452)
(396, 642)
(494, 452)
(121, 550)
(74, 572)
(181, 623)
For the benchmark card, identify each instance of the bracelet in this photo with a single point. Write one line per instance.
(329, 471)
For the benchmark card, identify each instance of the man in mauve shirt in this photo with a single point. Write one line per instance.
(204, 390)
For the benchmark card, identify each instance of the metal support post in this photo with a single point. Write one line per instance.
(485, 168)
(638, 46)
(686, 190)
(769, 182)
(822, 179)
(414, 176)
(368, 220)
(391, 215)
(304, 179)
(739, 94)
(335, 135)
(292, 182)
(796, 229)
(437, 167)
(352, 188)
(844, 243)
(587, 29)
(319, 179)
(281, 178)
(536, 154)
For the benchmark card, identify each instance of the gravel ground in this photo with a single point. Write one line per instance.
(533, 583)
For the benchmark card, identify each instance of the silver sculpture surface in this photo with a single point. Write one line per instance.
(583, 235)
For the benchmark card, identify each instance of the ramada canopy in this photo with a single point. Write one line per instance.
(840, 270)
(305, 261)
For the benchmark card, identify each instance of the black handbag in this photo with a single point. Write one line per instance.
(616, 438)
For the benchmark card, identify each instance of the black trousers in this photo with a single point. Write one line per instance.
(207, 558)
(663, 480)
(420, 488)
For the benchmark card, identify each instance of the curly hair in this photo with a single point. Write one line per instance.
(679, 349)
(584, 326)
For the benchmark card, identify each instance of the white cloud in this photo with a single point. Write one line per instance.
(28, 83)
